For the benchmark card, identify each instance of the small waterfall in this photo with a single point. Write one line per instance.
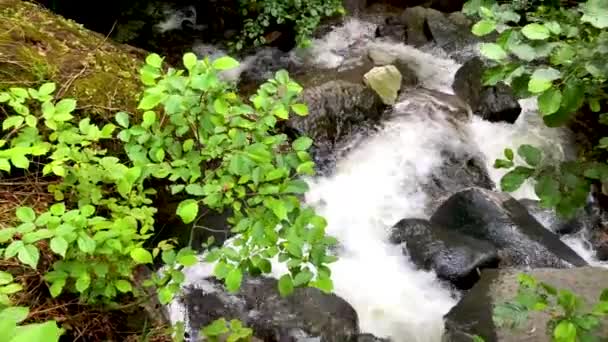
(381, 180)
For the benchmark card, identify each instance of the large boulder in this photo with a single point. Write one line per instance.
(473, 314)
(385, 81)
(455, 257)
(503, 221)
(337, 110)
(307, 314)
(492, 103)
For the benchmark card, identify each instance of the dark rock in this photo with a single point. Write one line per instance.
(503, 221)
(392, 28)
(414, 19)
(307, 313)
(337, 110)
(473, 314)
(457, 172)
(446, 33)
(454, 257)
(354, 7)
(448, 6)
(496, 103)
(552, 221)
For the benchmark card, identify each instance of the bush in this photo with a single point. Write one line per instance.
(200, 136)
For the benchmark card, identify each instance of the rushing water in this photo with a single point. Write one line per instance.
(380, 181)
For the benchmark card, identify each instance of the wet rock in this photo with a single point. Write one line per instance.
(455, 257)
(414, 19)
(306, 314)
(447, 34)
(473, 314)
(458, 171)
(495, 103)
(385, 81)
(382, 57)
(337, 110)
(552, 221)
(393, 29)
(354, 7)
(504, 222)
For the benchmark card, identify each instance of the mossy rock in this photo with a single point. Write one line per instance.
(38, 46)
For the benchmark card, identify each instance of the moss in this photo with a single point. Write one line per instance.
(38, 46)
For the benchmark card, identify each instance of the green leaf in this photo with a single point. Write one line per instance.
(509, 154)
(5, 165)
(285, 285)
(307, 168)
(483, 27)
(492, 51)
(154, 60)
(187, 210)
(523, 51)
(83, 282)
(515, 178)
(12, 121)
(190, 60)
(233, 280)
(13, 248)
(57, 287)
(302, 278)
(85, 243)
(296, 187)
(10, 289)
(530, 154)
(29, 255)
(15, 313)
(302, 144)
(123, 286)
(149, 118)
(59, 245)
(225, 63)
(20, 161)
(26, 214)
(216, 329)
(300, 109)
(141, 256)
(150, 101)
(535, 31)
(46, 89)
(565, 331)
(5, 278)
(503, 164)
(542, 79)
(550, 101)
(595, 12)
(63, 107)
(547, 189)
(324, 284)
(277, 206)
(165, 295)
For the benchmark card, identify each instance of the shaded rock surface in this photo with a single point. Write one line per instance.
(454, 257)
(385, 81)
(307, 313)
(495, 103)
(473, 314)
(503, 221)
(337, 110)
(555, 223)
(381, 58)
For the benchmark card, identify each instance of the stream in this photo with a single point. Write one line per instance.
(380, 180)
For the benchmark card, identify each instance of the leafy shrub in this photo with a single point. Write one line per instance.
(304, 16)
(197, 134)
(570, 321)
(555, 54)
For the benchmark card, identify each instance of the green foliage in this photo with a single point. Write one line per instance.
(12, 331)
(569, 322)
(303, 16)
(198, 136)
(553, 53)
(221, 330)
